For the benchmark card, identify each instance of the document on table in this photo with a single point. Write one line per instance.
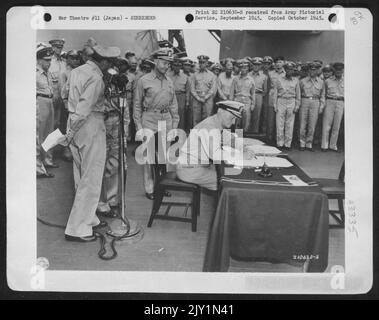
(295, 180)
(252, 142)
(51, 140)
(261, 149)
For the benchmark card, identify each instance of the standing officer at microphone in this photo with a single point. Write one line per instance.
(154, 101)
(86, 138)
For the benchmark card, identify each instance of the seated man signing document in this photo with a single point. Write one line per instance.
(203, 146)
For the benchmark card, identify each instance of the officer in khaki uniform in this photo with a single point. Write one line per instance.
(286, 98)
(260, 80)
(312, 103)
(87, 139)
(45, 109)
(187, 64)
(154, 101)
(275, 74)
(266, 68)
(334, 108)
(203, 90)
(57, 67)
(225, 80)
(243, 90)
(110, 197)
(182, 90)
(195, 165)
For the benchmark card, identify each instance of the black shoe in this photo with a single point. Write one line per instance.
(334, 150)
(107, 214)
(45, 175)
(309, 149)
(102, 224)
(324, 150)
(81, 239)
(150, 196)
(301, 148)
(167, 194)
(287, 148)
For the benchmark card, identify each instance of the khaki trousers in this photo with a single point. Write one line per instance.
(257, 112)
(308, 114)
(45, 118)
(331, 123)
(285, 118)
(88, 149)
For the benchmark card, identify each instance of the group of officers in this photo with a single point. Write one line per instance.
(75, 93)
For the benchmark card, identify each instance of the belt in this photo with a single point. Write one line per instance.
(312, 97)
(287, 98)
(259, 91)
(336, 98)
(180, 92)
(49, 96)
(202, 93)
(158, 110)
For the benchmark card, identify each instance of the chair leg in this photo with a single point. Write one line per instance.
(195, 209)
(156, 205)
(342, 211)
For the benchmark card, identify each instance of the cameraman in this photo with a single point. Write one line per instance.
(115, 96)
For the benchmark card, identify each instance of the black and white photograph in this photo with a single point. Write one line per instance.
(192, 151)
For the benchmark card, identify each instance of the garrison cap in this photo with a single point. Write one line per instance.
(57, 43)
(107, 52)
(313, 66)
(267, 59)
(202, 57)
(339, 66)
(122, 61)
(243, 62)
(233, 107)
(290, 65)
(44, 51)
(319, 63)
(163, 54)
(129, 54)
(186, 61)
(257, 60)
(73, 54)
(216, 66)
(327, 67)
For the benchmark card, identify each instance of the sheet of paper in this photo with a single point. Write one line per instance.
(252, 142)
(51, 140)
(277, 162)
(294, 180)
(261, 149)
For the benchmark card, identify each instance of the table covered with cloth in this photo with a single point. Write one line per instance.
(269, 220)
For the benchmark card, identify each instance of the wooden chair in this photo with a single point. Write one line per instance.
(335, 190)
(168, 181)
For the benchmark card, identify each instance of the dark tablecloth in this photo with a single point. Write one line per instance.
(268, 222)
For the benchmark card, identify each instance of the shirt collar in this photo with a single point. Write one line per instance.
(95, 66)
(158, 76)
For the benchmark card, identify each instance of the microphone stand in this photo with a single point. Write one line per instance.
(127, 229)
